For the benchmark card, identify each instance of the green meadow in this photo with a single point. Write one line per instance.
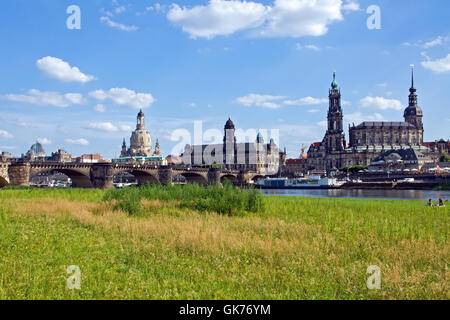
(192, 242)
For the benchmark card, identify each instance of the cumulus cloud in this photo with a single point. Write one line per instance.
(438, 65)
(218, 17)
(124, 97)
(5, 134)
(81, 142)
(358, 117)
(380, 103)
(285, 18)
(46, 98)
(61, 70)
(116, 25)
(307, 101)
(258, 100)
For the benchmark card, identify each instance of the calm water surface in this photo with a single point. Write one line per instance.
(363, 194)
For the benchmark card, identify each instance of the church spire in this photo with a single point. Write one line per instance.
(412, 79)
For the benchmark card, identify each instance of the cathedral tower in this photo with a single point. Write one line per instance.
(335, 138)
(413, 113)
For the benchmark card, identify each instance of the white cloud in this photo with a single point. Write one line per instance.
(358, 117)
(124, 97)
(436, 42)
(307, 101)
(298, 18)
(299, 47)
(285, 18)
(120, 9)
(125, 128)
(116, 25)
(313, 110)
(100, 108)
(61, 70)
(82, 142)
(438, 65)
(108, 127)
(380, 103)
(351, 6)
(258, 100)
(103, 126)
(45, 141)
(5, 134)
(46, 98)
(218, 17)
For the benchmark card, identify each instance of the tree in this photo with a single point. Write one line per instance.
(445, 157)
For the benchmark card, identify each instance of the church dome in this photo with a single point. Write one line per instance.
(141, 114)
(37, 149)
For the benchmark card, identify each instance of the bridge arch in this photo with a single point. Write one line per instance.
(79, 179)
(193, 177)
(142, 176)
(232, 178)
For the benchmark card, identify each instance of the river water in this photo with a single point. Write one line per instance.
(423, 195)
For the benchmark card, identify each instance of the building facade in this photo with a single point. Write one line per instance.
(368, 140)
(258, 156)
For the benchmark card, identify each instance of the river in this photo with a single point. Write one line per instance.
(423, 195)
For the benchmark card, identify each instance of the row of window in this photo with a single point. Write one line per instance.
(386, 140)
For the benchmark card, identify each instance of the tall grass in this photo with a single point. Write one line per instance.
(293, 248)
(224, 199)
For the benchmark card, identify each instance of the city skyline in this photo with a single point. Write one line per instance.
(82, 91)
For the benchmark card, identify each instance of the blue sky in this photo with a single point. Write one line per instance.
(267, 64)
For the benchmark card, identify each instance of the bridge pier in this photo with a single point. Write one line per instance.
(214, 176)
(19, 174)
(101, 176)
(165, 176)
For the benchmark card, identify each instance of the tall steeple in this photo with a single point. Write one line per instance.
(124, 148)
(413, 113)
(335, 138)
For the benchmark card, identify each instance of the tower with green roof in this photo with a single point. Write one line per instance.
(335, 137)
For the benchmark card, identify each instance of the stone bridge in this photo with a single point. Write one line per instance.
(101, 175)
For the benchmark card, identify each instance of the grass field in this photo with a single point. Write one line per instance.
(176, 248)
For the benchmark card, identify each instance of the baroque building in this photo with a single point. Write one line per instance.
(258, 156)
(140, 141)
(368, 140)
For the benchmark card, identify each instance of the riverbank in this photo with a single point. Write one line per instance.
(290, 248)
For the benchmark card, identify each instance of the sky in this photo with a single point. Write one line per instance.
(78, 82)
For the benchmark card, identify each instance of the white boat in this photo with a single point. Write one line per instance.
(301, 183)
